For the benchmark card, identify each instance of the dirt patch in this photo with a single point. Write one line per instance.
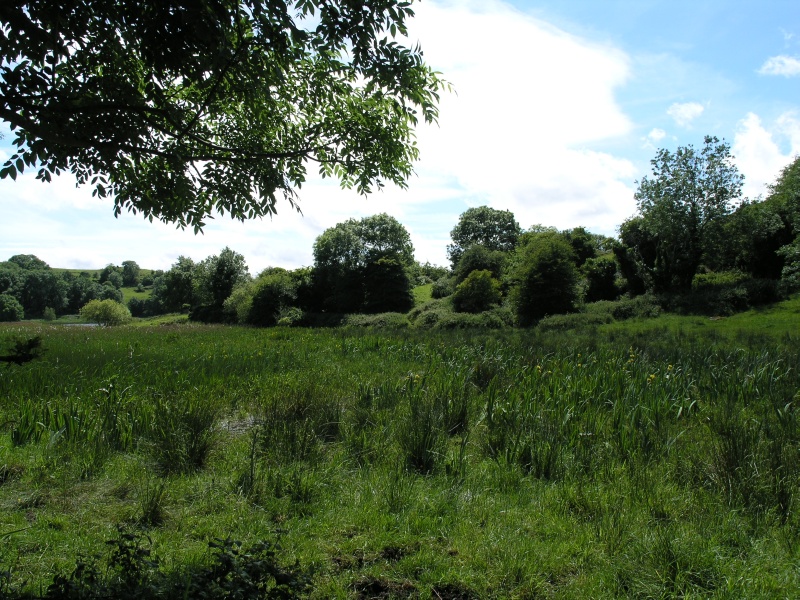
(9, 473)
(372, 588)
(453, 591)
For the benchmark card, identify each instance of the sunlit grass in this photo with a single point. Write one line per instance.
(656, 459)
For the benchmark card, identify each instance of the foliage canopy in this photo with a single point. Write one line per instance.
(688, 195)
(177, 110)
(494, 229)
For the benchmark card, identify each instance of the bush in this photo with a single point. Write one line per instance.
(725, 293)
(574, 321)
(428, 314)
(387, 287)
(443, 287)
(141, 307)
(290, 316)
(49, 314)
(274, 291)
(477, 293)
(546, 278)
(207, 313)
(723, 279)
(645, 306)
(491, 319)
(237, 306)
(10, 309)
(105, 312)
(480, 258)
(387, 320)
(601, 275)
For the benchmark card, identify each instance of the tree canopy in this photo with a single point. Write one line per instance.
(371, 252)
(496, 230)
(177, 110)
(688, 195)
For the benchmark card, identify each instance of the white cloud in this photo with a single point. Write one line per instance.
(656, 135)
(788, 66)
(758, 151)
(684, 113)
(530, 99)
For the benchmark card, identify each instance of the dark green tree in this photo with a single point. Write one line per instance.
(42, 289)
(681, 205)
(636, 250)
(601, 276)
(108, 271)
(10, 309)
(584, 244)
(215, 279)
(751, 238)
(387, 287)
(480, 291)
(274, 291)
(343, 253)
(175, 288)
(494, 229)
(383, 236)
(29, 262)
(10, 277)
(480, 258)
(181, 109)
(130, 273)
(544, 278)
(81, 290)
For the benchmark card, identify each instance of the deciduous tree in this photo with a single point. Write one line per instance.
(684, 200)
(545, 278)
(177, 110)
(496, 230)
(343, 253)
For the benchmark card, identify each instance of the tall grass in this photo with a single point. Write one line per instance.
(642, 462)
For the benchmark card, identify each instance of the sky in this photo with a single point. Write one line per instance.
(557, 109)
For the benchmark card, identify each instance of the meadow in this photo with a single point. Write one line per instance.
(645, 459)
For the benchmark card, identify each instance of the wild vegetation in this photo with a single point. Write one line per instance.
(591, 457)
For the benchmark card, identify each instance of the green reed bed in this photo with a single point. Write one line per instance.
(514, 464)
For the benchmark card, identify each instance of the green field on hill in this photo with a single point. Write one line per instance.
(643, 459)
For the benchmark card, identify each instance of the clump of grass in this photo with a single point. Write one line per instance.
(420, 432)
(180, 432)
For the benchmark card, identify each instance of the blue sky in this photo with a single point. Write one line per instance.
(559, 107)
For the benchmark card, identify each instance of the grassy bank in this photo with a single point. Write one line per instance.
(627, 460)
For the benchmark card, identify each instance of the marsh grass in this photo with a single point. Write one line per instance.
(649, 460)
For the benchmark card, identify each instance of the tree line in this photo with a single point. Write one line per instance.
(694, 243)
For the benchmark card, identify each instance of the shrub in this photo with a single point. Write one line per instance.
(10, 308)
(480, 258)
(49, 314)
(546, 278)
(573, 321)
(290, 316)
(492, 319)
(645, 306)
(477, 293)
(140, 307)
(428, 314)
(601, 274)
(790, 275)
(105, 312)
(387, 287)
(387, 320)
(443, 287)
(722, 279)
(274, 291)
(237, 306)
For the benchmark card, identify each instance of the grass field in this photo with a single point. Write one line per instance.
(648, 459)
